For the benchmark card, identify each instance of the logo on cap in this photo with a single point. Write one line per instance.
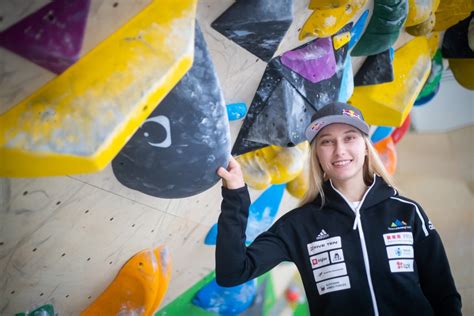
(316, 125)
(351, 113)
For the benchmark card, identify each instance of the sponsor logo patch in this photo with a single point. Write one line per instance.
(330, 271)
(401, 265)
(332, 285)
(400, 252)
(350, 113)
(430, 225)
(336, 256)
(398, 224)
(319, 260)
(322, 235)
(405, 238)
(324, 245)
(317, 126)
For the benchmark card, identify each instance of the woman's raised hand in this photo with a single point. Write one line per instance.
(232, 178)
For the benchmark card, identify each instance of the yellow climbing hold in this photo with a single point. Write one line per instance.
(329, 17)
(139, 287)
(299, 185)
(450, 12)
(340, 40)
(80, 120)
(418, 11)
(463, 71)
(433, 42)
(273, 165)
(389, 103)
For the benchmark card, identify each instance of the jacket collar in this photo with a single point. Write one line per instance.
(377, 192)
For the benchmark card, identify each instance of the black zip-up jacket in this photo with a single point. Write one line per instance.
(385, 258)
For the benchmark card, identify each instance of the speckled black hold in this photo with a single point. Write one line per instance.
(256, 25)
(177, 150)
(284, 103)
(376, 69)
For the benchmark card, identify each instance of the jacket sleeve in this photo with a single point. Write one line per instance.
(434, 272)
(236, 263)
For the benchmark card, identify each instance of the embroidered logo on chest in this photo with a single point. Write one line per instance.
(322, 235)
(398, 225)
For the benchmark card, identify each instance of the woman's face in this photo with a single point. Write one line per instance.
(341, 151)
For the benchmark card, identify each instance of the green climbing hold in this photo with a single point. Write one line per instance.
(434, 78)
(384, 27)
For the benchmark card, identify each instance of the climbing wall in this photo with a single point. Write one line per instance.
(71, 217)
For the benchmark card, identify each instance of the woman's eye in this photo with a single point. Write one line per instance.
(325, 142)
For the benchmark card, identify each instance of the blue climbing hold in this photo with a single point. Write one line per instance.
(211, 237)
(236, 111)
(262, 213)
(347, 82)
(380, 133)
(226, 300)
(358, 28)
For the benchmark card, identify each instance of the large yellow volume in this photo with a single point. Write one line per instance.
(388, 104)
(80, 120)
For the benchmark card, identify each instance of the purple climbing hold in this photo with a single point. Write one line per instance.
(315, 61)
(50, 37)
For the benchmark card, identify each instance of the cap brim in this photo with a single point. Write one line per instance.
(317, 125)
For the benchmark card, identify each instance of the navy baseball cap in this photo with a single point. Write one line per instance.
(336, 112)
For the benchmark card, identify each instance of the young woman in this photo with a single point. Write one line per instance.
(360, 247)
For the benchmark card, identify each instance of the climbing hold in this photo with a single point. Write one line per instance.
(381, 132)
(418, 11)
(45, 310)
(456, 40)
(431, 85)
(80, 120)
(384, 27)
(387, 153)
(422, 28)
(399, 132)
(347, 82)
(459, 53)
(299, 185)
(273, 165)
(226, 300)
(340, 40)
(388, 104)
(236, 111)
(176, 151)
(285, 99)
(462, 69)
(358, 29)
(50, 37)
(258, 26)
(138, 288)
(450, 12)
(314, 62)
(262, 213)
(329, 17)
(376, 69)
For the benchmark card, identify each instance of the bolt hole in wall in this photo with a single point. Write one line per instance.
(116, 4)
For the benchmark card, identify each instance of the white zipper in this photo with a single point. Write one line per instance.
(358, 225)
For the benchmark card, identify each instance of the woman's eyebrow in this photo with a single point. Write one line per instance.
(350, 131)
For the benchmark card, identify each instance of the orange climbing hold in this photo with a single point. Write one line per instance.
(387, 153)
(138, 288)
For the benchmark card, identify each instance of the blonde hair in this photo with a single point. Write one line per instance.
(372, 165)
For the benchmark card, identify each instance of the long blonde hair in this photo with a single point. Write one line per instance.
(372, 165)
